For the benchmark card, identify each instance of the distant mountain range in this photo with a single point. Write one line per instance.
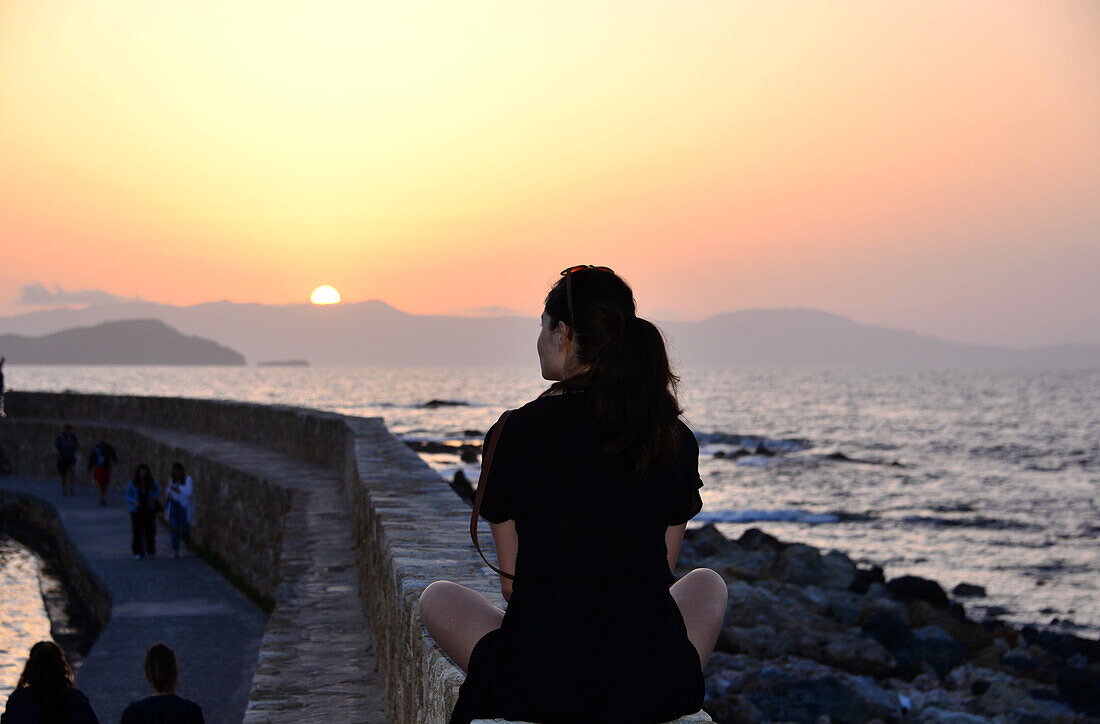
(131, 342)
(374, 333)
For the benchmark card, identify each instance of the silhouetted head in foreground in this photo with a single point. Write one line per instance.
(161, 669)
(593, 340)
(49, 678)
(178, 473)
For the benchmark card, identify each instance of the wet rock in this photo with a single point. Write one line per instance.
(432, 404)
(708, 540)
(1019, 660)
(846, 651)
(803, 565)
(890, 630)
(936, 715)
(1081, 689)
(914, 588)
(473, 433)
(864, 577)
(469, 453)
(792, 689)
(968, 590)
(757, 641)
(973, 636)
(941, 654)
(749, 606)
(754, 538)
(873, 604)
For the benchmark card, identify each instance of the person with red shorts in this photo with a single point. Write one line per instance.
(100, 460)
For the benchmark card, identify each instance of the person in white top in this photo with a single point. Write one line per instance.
(179, 508)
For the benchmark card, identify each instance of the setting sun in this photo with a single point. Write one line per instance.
(325, 295)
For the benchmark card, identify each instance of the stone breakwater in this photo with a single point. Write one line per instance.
(79, 614)
(329, 518)
(809, 637)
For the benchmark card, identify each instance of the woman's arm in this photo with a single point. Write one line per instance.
(507, 545)
(674, 536)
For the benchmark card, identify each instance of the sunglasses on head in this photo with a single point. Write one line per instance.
(568, 274)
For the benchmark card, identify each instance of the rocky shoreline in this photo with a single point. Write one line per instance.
(811, 637)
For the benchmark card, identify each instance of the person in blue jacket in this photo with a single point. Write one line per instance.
(45, 692)
(143, 495)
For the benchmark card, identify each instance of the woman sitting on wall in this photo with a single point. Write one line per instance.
(588, 491)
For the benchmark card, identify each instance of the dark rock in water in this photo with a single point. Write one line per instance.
(473, 433)
(968, 590)
(462, 486)
(1081, 689)
(754, 538)
(914, 588)
(865, 577)
(839, 456)
(889, 629)
(445, 403)
(430, 446)
(708, 540)
(469, 453)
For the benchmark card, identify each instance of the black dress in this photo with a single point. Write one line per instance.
(591, 632)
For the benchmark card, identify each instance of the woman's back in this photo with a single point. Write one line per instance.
(591, 630)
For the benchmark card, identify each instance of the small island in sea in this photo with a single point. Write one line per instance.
(284, 363)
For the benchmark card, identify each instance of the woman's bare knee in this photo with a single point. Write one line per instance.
(701, 596)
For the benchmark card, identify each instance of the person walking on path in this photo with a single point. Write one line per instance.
(100, 461)
(180, 510)
(143, 495)
(45, 692)
(67, 445)
(164, 707)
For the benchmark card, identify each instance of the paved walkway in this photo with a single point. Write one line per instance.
(215, 631)
(315, 660)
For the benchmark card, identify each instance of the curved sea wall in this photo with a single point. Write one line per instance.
(408, 527)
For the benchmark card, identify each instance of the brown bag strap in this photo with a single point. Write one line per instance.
(486, 461)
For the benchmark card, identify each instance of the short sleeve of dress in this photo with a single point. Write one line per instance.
(495, 506)
(686, 502)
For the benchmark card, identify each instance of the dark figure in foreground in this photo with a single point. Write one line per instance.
(164, 707)
(66, 445)
(100, 461)
(143, 495)
(588, 493)
(2, 413)
(180, 510)
(45, 693)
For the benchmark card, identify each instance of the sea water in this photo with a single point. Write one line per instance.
(989, 478)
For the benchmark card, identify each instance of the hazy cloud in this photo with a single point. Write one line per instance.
(38, 294)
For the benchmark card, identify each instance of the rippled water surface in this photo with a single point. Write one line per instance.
(990, 478)
(23, 620)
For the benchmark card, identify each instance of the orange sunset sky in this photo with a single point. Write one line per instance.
(932, 166)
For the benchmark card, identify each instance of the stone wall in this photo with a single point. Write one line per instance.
(36, 524)
(409, 527)
(238, 516)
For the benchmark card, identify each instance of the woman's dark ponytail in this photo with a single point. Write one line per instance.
(630, 384)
